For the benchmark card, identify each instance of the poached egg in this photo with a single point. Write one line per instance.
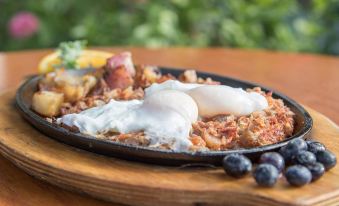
(165, 117)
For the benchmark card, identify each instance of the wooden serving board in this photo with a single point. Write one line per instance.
(135, 183)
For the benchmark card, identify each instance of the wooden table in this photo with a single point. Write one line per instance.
(310, 79)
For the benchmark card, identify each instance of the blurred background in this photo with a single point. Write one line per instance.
(288, 25)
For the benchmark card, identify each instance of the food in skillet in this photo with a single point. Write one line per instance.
(138, 105)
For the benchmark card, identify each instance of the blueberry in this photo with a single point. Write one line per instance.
(298, 175)
(304, 158)
(299, 143)
(292, 148)
(237, 165)
(314, 146)
(266, 175)
(285, 153)
(327, 158)
(274, 159)
(317, 170)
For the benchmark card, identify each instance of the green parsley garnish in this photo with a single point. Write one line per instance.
(69, 53)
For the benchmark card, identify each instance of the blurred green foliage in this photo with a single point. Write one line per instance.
(290, 25)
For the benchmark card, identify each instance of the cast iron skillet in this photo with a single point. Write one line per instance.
(153, 155)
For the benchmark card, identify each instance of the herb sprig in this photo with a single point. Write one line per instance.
(69, 53)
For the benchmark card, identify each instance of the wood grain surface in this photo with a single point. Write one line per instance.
(312, 80)
(144, 184)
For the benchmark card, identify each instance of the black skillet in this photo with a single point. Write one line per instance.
(24, 94)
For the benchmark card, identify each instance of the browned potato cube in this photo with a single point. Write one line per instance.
(73, 92)
(47, 103)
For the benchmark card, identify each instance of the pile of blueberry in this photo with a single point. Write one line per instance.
(301, 162)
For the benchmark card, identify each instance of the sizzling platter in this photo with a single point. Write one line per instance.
(302, 126)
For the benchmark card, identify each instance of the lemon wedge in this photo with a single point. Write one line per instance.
(88, 58)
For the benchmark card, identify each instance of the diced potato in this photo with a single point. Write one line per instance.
(47, 103)
(75, 88)
(73, 92)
